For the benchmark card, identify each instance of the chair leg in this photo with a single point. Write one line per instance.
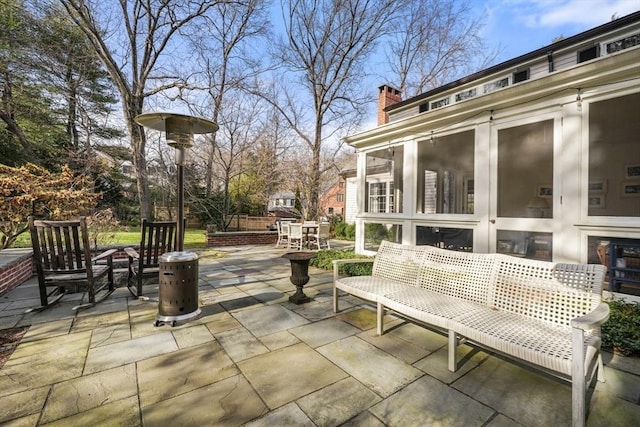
(57, 293)
(139, 290)
(91, 290)
(130, 285)
(112, 286)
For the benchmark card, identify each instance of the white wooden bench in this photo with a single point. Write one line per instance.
(545, 314)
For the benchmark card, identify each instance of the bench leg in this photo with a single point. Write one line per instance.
(600, 369)
(335, 299)
(453, 344)
(380, 319)
(578, 380)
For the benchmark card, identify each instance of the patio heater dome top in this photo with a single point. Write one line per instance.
(179, 128)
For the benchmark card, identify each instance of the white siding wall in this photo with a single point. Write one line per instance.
(351, 207)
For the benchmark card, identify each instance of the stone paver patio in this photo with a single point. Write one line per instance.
(255, 359)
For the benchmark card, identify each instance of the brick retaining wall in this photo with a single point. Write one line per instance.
(16, 271)
(239, 238)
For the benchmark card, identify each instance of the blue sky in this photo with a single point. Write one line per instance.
(521, 26)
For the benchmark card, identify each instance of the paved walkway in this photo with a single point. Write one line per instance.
(255, 359)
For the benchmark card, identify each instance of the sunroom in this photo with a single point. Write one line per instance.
(537, 157)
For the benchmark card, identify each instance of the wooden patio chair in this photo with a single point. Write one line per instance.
(63, 259)
(157, 238)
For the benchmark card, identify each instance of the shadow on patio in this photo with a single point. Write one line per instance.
(255, 358)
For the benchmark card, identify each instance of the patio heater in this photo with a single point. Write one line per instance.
(178, 286)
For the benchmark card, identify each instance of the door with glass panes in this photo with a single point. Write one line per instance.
(522, 198)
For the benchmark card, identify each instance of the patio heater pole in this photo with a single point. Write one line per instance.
(180, 191)
(179, 130)
(178, 286)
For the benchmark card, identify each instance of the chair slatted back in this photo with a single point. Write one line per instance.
(295, 231)
(60, 246)
(324, 230)
(158, 238)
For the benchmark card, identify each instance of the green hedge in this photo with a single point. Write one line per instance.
(621, 333)
(324, 259)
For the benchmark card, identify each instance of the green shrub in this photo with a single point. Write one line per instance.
(345, 231)
(324, 259)
(621, 333)
(350, 232)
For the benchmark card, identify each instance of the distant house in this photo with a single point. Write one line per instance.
(332, 201)
(538, 156)
(282, 204)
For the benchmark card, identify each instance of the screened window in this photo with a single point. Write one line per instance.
(445, 174)
(588, 54)
(614, 157)
(525, 171)
(384, 180)
(375, 233)
(456, 239)
(525, 244)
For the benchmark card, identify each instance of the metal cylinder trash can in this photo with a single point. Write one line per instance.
(178, 289)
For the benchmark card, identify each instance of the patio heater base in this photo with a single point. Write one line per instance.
(174, 320)
(178, 288)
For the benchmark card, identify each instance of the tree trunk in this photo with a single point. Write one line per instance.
(138, 143)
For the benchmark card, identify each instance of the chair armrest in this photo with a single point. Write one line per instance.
(132, 253)
(338, 262)
(592, 319)
(106, 254)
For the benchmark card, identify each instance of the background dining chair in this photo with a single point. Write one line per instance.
(283, 233)
(296, 236)
(64, 260)
(157, 238)
(321, 236)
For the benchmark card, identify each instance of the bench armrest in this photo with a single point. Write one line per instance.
(132, 253)
(106, 254)
(592, 319)
(338, 262)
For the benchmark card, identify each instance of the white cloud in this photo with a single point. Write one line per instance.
(582, 13)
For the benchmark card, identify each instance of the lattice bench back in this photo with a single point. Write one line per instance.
(546, 291)
(464, 275)
(398, 262)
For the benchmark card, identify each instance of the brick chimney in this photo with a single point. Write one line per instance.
(386, 97)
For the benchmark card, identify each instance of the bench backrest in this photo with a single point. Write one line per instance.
(546, 291)
(464, 275)
(398, 262)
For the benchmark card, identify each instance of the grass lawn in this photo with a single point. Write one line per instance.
(193, 239)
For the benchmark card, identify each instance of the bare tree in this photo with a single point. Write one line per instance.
(235, 146)
(326, 45)
(434, 43)
(134, 42)
(226, 59)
